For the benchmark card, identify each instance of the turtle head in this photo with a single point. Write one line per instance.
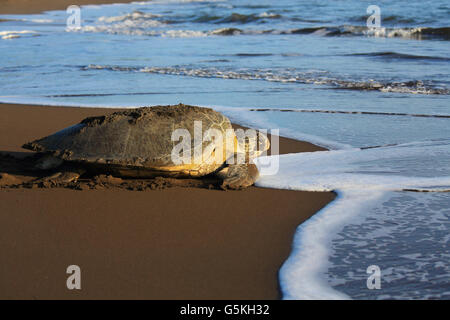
(252, 142)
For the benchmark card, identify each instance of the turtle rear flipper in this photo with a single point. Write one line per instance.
(63, 177)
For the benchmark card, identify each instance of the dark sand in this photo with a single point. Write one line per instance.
(174, 243)
(37, 6)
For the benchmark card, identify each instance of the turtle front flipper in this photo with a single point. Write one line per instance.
(238, 176)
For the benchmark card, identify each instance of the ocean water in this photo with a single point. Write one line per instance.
(378, 98)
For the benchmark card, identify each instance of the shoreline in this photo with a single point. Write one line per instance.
(173, 243)
(35, 7)
(160, 244)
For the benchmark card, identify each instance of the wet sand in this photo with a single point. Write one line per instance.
(169, 243)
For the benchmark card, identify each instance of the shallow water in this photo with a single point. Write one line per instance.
(408, 243)
(312, 69)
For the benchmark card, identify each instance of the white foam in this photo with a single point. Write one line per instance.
(370, 169)
(12, 34)
(34, 20)
(271, 75)
(268, 15)
(183, 34)
(135, 15)
(362, 178)
(302, 275)
(2, 33)
(392, 33)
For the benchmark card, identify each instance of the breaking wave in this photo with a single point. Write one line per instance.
(419, 33)
(136, 15)
(149, 24)
(285, 76)
(6, 35)
(136, 27)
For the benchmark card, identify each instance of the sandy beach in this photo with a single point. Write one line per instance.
(33, 6)
(170, 243)
(174, 243)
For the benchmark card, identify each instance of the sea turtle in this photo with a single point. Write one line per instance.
(142, 142)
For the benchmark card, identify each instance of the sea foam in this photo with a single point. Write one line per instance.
(5, 35)
(362, 178)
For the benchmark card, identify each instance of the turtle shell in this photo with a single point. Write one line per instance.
(139, 139)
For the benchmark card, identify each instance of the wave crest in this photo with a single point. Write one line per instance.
(286, 76)
(419, 33)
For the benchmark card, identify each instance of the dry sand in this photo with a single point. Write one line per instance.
(174, 243)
